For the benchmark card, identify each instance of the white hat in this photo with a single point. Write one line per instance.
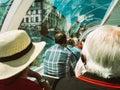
(17, 52)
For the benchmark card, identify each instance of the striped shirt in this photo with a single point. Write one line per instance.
(57, 61)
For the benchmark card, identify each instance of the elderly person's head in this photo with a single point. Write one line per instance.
(102, 51)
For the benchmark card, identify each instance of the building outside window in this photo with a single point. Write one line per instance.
(27, 20)
(36, 19)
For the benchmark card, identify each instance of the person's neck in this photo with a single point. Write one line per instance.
(63, 45)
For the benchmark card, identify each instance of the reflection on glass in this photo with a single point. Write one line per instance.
(66, 15)
(4, 7)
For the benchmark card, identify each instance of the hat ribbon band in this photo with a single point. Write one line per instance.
(17, 55)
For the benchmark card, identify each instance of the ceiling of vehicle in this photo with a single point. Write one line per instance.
(113, 14)
(93, 10)
(10, 13)
(85, 12)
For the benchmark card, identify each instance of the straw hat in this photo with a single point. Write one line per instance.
(17, 52)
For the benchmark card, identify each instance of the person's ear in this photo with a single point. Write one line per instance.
(83, 58)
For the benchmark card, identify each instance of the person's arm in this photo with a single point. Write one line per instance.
(43, 83)
(34, 74)
(72, 62)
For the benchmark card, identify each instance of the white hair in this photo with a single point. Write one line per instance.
(102, 51)
(75, 40)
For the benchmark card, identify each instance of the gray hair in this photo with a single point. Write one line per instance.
(102, 50)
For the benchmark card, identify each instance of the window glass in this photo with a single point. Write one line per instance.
(4, 7)
(57, 15)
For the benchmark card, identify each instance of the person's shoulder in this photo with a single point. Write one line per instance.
(68, 51)
(76, 48)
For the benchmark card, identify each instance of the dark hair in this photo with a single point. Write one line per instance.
(60, 38)
(70, 41)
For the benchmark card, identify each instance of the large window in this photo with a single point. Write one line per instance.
(90, 12)
(4, 7)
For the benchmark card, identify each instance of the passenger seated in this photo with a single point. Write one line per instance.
(17, 53)
(73, 48)
(58, 63)
(100, 69)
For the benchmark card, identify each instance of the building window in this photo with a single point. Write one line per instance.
(36, 19)
(37, 4)
(27, 19)
(31, 11)
(36, 11)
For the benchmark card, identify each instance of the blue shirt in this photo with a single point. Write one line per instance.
(75, 51)
(57, 61)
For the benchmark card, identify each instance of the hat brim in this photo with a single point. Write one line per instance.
(11, 68)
